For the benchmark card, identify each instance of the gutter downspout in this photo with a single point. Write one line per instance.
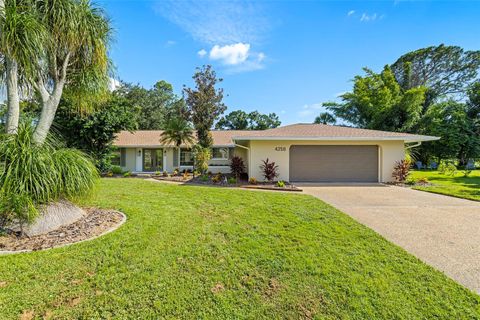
(413, 145)
(248, 156)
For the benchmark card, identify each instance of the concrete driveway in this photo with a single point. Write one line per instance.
(441, 231)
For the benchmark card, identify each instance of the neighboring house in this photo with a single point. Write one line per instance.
(303, 152)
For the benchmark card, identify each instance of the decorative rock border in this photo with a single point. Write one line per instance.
(67, 228)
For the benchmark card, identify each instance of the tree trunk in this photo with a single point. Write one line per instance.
(13, 99)
(49, 109)
(45, 122)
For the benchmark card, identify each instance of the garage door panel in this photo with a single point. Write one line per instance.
(333, 163)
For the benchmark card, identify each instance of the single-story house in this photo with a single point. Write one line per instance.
(303, 152)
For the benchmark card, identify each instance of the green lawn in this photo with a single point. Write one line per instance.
(456, 185)
(201, 253)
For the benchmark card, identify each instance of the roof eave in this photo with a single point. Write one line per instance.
(163, 146)
(296, 138)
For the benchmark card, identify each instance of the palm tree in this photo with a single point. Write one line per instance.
(75, 55)
(325, 118)
(178, 131)
(21, 36)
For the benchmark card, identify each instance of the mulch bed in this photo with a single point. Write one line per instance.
(96, 222)
(242, 184)
(288, 187)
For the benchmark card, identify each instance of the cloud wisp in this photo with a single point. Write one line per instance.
(365, 17)
(217, 22)
(228, 29)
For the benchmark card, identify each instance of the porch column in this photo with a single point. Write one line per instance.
(138, 159)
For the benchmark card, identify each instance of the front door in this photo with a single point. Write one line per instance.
(152, 160)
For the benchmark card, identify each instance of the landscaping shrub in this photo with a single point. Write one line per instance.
(237, 167)
(281, 184)
(401, 170)
(269, 170)
(165, 174)
(202, 157)
(204, 178)
(447, 168)
(127, 174)
(410, 181)
(217, 178)
(116, 170)
(32, 174)
(232, 180)
(252, 180)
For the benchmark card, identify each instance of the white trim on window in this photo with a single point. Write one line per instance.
(225, 153)
(180, 157)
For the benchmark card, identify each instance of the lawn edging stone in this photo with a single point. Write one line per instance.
(45, 245)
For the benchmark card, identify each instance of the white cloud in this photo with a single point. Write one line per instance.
(350, 13)
(310, 110)
(371, 17)
(170, 43)
(235, 58)
(230, 54)
(218, 22)
(254, 62)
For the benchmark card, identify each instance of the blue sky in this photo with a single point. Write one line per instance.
(279, 56)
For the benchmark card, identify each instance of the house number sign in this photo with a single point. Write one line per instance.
(281, 149)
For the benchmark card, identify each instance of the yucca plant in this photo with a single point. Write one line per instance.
(33, 174)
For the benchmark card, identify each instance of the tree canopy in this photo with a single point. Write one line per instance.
(379, 102)
(240, 120)
(155, 104)
(443, 70)
(95, 131)
(204, 103)
(53, 46)
(325, 118)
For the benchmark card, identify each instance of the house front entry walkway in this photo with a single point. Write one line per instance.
(440, 230)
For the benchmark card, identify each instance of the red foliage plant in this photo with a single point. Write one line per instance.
(269, 170)
(401, 170)
(237, 167)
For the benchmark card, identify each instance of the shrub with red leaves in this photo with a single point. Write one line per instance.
(269, 170)
(237, 167)
(401, 170)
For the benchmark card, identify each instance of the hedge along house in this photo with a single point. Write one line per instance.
(303, 152)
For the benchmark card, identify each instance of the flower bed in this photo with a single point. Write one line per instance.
(226, 181)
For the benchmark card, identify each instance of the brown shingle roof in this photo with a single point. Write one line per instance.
(151, 138)
(321, 131)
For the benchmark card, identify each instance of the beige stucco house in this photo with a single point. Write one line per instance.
(303, 152)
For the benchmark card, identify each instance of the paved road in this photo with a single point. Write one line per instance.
(442, 231)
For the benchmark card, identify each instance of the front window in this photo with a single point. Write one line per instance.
(118, 157)
(220, 153)
(186, 157)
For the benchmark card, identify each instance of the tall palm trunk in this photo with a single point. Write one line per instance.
(49, 108)
(13, 98)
